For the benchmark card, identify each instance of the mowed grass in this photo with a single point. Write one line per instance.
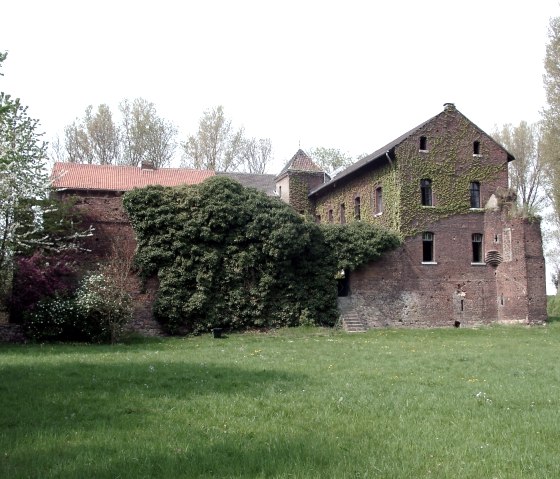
(301, 403)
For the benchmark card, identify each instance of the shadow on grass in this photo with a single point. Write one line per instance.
(141, 416)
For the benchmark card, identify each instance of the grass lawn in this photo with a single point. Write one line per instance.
(300, 403)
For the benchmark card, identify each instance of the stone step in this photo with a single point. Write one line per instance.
(353, 324)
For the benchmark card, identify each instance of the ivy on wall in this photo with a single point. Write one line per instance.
(448, 161)
(229, 256)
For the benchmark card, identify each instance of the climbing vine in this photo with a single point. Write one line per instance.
(448, 161)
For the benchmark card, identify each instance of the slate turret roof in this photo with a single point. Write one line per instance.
(300, 162)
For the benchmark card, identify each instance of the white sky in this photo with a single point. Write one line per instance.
(346, 74)
(352, 75)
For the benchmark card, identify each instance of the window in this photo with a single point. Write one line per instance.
(476, 148)
(342, 214)
(477, 248)
(423, 143)
(378, 200)
(427, 247)
(475, 194)
(426, 191)
(357, 208)
(280, 191)
(330, 216)
(317, 218)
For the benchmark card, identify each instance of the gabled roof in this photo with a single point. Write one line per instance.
(300, 162)
(386, 151)
(261, 182)
(79, 176)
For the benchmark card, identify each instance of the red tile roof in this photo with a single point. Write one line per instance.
(78, 176)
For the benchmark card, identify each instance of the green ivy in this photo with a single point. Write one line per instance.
(232, 257)
(444, 163)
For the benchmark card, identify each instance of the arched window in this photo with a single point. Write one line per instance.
(378, 200)
(426, 192)
(342, 213)
(357, 208)
(475, 194)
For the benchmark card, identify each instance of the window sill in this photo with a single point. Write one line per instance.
(427, 206)
(422, 151)
(477, 155)
(476, 209)
(378, 214)
(429, 262)
(478, 264)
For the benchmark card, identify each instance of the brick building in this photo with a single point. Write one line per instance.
(466, 258)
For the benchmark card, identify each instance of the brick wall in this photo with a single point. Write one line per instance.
(113, 237)
(400, 290)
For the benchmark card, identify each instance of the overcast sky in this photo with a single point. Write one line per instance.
(352, 75)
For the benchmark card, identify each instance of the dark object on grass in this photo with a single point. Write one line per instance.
(457, 324)
(217, 332)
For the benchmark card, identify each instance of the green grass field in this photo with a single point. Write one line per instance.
(300, 403)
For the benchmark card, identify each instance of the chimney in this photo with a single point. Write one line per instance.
(147, 165)
(449, 107)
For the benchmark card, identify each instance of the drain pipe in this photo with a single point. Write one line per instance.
(388, 157)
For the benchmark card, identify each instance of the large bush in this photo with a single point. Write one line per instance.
(232, 257)
(39, 277)
(96, 312)
(357, 243)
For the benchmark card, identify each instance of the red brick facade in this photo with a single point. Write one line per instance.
(501, 278)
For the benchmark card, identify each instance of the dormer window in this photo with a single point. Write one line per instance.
(423, 143)
(476, 148)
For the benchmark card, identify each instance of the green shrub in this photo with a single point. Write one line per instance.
(232, 257)
(55, 319)
(104, 306)
(553, 306)
(97, 312)
(357, 243)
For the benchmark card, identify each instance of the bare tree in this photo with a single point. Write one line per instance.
(216, 145)
(330, 159)
(103, 135)
(76, 142)
(256, 155)
(527, 171)
(146, 136)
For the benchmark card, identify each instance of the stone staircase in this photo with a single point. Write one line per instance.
(351, 320)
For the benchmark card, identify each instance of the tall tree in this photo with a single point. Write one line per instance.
(256, 155)
(216, 145)
(526, 173)
(92, 139)
(142, 135)
(551, 142)
(330, 159)
(22, 176)
(146, 136)
(103, 135)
